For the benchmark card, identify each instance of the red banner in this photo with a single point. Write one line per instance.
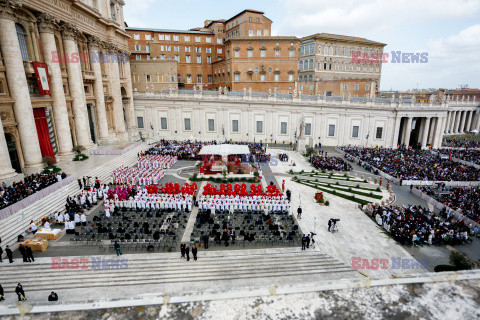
(43, 81)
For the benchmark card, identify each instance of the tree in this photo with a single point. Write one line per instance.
(78, 149)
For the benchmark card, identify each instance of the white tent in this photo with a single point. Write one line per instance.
(224, 149)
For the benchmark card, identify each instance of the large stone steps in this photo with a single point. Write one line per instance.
(16, 224)
(169, 268)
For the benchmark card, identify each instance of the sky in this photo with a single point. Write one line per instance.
(448, 30)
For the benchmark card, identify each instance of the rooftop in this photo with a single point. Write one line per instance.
(338, 37)
(168, 30)
(246, 10)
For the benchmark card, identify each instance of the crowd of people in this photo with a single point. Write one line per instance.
(137, 175)
(460, 143)
(420, 226)
(470, 155)
(28, 186)
(182, 150)
(283, 157)
(330, 163)
(464, 200)
(406, 164)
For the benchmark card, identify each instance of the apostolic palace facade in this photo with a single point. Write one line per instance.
(64, 79)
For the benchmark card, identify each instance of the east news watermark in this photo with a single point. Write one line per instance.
(389, 57)
(359, 263)
(93, 57)
(93, 263)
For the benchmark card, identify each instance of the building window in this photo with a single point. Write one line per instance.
(186, 38)
(199, 59)
(259, 33)
(208, 39)
(198, 39)
(177, 58)
(331, 130)
(219, 50)
(138, 47)
(262, 76)
(163, 123)
(219, 40)
(277, 77)
(301, 64)
(161, 37)
(259, 126)
(209, 77)
(237, 76)
(199, 78)
(263, 53)
(113, 12)
(140, 123)
(148, 37)
(189, 78)
(208, 50)
(308, 129)
(345, 87)
(188, 59)
(237, 53)
(187, 124)
(136, 37)
(291, 53)
(176, 38)
(198, 49)
(168, 48)
(249, 53)
(355, 131)
(187, 49)
(283, 128)
(234, 125)
(250, 33)
(258, 20)
(148, 78)
(379, 133)
(176, 48)
(367, 87)
(277, 53)
(211, 125)
(22, 41)
(209, 59)
(356, 87)
(167, 37)
(290, 77)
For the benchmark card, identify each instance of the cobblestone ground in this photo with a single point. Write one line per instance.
(445, 300)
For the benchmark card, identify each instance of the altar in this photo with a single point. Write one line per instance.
(228, 159)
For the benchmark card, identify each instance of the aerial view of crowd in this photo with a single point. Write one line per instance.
(460, 143)
(183, 150)
(30, 184)
(406, 164)
(463, 200)
(330, 163)
(470, 155)
(417, 225)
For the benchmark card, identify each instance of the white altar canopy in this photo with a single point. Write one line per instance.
(224, 149)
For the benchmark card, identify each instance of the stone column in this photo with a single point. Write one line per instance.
(448, 121)
(438, 134)
(462, 122)
(115, 88)
(6, 170)
(456, 125)
(75, 82)
(468, 122)
(96, 60)
(426, 129)
(396, 132)
(408, 131)
(131, 110)
(46, 25)
(18, 87)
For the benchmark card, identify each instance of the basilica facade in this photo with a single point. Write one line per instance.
(64, 80)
